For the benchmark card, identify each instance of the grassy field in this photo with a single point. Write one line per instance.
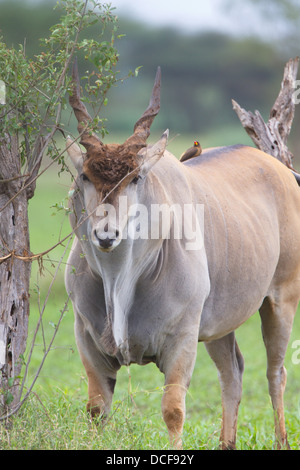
(54, 416)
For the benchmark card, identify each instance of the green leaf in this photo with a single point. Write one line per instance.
(8, 398)
(10, 381)
(136, 72)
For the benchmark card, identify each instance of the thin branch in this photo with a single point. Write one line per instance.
(49, 136)
(18, 406)
(14, 178)
(39, 322)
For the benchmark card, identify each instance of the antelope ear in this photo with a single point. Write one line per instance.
(75, 154)
(151, 155)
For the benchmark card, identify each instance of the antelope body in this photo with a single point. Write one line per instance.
(143, 299)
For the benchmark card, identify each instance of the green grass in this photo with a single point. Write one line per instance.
(54, 416)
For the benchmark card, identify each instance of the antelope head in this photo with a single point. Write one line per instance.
(108, 171)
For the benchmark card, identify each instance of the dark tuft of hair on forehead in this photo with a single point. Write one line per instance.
(112, 163)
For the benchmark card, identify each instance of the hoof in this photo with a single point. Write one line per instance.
(95, 411)
(228, 446)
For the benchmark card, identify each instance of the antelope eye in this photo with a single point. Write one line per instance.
(84, 177)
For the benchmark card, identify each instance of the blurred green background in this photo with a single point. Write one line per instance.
(202, 70)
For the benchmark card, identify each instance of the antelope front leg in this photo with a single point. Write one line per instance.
(173, 410)
(177, 379)
(101, 374)
(101, 371)
(101, 384)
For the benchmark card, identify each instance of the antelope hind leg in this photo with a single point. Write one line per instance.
(277, 320)
(230, 364)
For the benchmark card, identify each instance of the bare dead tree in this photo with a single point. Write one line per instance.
(271, 137)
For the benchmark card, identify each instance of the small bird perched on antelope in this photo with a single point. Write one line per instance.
(191, 152)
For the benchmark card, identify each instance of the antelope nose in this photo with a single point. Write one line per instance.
(106, 241)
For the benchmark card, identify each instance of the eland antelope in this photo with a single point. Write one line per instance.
(140, 298)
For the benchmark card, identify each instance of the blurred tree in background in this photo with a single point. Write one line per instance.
(201, 72)
(282, 16)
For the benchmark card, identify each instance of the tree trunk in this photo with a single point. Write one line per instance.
(14, 272)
